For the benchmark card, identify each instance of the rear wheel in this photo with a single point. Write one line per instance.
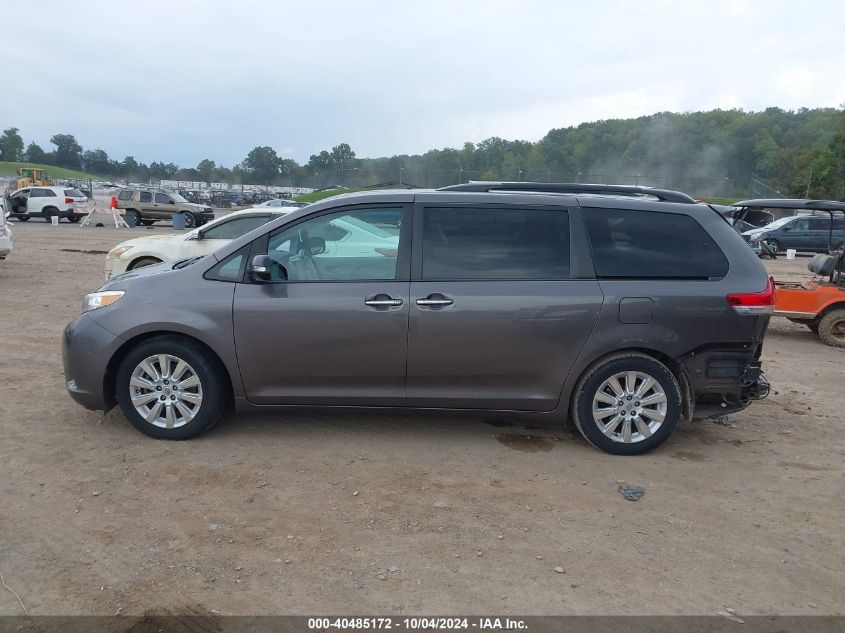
(171, 388)
(132, 217)
(73, 218)
(627, 404)
(832, 328)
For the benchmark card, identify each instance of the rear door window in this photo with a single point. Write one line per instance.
(146, 196)
(644, 244)
(495, 243)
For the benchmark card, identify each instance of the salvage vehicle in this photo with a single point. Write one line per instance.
(804, 233)
(818, 303)
(5, 232)
(154, 249)
(48, 202)
(623, 309)
(31, 176)
(145, 206)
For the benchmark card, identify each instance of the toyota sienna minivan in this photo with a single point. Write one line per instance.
(622, 309)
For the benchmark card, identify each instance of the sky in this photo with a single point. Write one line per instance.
(181, 81)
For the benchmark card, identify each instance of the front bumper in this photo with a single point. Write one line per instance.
(115, 266)
(86, 350)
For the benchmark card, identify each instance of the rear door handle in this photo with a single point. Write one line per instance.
(435, 300)
(382, 301)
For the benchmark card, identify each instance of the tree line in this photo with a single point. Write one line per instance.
(799, 152)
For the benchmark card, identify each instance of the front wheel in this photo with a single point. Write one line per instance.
(190, 220)
(171, 388)
(832, 328)
(774, 245)
(627, 404)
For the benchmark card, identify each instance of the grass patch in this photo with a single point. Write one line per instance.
(8, 168)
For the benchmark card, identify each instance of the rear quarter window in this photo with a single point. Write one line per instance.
(651, 245)
(124, 195)
(74, 193)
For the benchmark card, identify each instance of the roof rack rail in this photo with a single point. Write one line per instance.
(664, 195)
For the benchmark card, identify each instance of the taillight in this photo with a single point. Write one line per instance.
(68, 200)
(754, 302)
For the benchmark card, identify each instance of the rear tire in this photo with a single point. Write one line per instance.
(832, 328)
(650, 406)
(132, 218)
(175, 412)
(73, 218)
(774, 244)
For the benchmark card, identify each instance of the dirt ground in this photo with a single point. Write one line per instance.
(403, 514)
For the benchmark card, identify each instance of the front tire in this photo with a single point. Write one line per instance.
(132, 218)
(832, 328)
(171, 388)
(627, 404)
(190, 219)
(144, 261)
(774, 244)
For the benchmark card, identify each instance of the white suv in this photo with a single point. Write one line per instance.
(46, 202)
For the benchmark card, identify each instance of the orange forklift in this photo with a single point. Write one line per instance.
(818, 303)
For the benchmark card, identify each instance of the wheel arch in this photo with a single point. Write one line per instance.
(109, 378)
(830, 307)
(674, 366)
(139, 257)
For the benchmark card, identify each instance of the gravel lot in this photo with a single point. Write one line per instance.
(403, 514)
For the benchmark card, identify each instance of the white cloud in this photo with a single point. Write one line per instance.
(182, 81)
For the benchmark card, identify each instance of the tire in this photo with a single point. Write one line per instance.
(832, 328)
(22, 218)
(190, 219)
(144, 261)
(48, 213)
(132, 217)
(205, 402)
(73, 218)
(775, 244)
(648, 429)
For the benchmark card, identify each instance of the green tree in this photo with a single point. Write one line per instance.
(68, 151)
(205, 169)
(34, 153)
(97, 162)
(262, 163)
(11, 144)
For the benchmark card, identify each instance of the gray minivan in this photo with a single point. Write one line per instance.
(623, 309)
(809, 233)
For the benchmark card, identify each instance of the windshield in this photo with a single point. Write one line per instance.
(779, 223)
(366, 226)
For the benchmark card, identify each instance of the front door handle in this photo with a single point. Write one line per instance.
(382, 301)
(435, 300)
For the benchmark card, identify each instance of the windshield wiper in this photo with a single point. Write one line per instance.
(186, 262)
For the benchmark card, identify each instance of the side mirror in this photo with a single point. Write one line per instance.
(787, 228)
(172, 201)
(261, 269)
(314, 245)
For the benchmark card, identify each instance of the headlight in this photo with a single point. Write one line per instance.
(756, 236)
(117, 251)
(100, 299)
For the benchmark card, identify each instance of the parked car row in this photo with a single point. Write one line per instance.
(622, 309)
